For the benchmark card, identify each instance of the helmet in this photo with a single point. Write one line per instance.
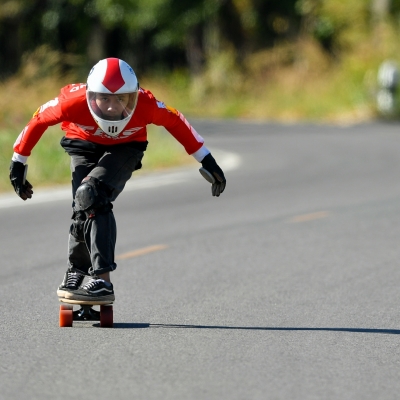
(111, 92)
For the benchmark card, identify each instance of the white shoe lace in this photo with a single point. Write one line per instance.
(73, 278)
(90, 284)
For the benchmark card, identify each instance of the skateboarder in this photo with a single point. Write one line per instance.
(104, 122)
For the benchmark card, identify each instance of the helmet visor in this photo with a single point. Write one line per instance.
(112, 107)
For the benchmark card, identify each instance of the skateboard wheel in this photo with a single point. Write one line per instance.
(66, 316)
(66, 307)
(106, 316)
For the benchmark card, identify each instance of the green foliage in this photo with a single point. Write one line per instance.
(157, 33)
(166, 34)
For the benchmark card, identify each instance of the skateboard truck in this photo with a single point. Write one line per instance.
(86, 313)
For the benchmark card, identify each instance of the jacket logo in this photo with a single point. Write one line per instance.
(122, 135)
(85, 128)
(131, 131)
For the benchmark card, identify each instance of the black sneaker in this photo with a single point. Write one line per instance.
(94, 290)
(72, 281)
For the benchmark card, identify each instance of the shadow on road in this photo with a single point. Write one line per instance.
(254, 328)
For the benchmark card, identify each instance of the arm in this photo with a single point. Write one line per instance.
(179, 127)
(46, 115)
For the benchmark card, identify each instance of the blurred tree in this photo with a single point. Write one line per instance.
(380, 8)
(28, 24)
(15, 35)
(336, 24)
(174, 33)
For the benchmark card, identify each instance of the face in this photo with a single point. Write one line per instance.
(112, 105)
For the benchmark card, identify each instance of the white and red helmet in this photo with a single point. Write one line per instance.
(112, 76)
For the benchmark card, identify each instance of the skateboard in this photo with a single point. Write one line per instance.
(86, 312)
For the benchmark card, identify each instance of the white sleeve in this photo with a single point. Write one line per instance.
(18, 157)
(201, 153)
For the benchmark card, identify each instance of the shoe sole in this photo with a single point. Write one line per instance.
(61, 293)
(86, 302)
(80, 298)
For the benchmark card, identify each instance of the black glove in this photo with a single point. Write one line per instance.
(17, 172)
(213, 174)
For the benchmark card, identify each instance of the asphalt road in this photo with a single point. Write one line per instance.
(285, 287)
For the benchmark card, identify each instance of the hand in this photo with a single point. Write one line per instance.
(213, 173)
(17, 172)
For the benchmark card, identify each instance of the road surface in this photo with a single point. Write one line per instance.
(285, 287)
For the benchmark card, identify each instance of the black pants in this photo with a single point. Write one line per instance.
(113, 166)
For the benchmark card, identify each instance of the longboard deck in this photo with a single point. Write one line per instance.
(86, 303)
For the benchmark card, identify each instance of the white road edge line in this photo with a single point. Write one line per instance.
(228, 161)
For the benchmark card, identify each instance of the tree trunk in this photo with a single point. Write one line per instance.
(380, 8)
(194, 50)
(96, 49)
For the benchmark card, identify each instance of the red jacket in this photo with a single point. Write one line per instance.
(71, 110)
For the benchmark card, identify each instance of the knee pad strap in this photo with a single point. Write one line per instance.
(77, 226)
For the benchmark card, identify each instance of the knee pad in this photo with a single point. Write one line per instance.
(91, 197)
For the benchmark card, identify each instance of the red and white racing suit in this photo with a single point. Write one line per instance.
(110, 160)
(71, 110)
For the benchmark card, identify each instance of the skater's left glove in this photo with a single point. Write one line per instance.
(17, 177)
(213, 174)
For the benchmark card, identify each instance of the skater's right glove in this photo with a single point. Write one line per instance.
(213, 173)
(17, 177)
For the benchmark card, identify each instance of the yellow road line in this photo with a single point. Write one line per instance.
(140, 252)
(309, 217)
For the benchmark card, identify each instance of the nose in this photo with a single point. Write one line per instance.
(114, 104)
